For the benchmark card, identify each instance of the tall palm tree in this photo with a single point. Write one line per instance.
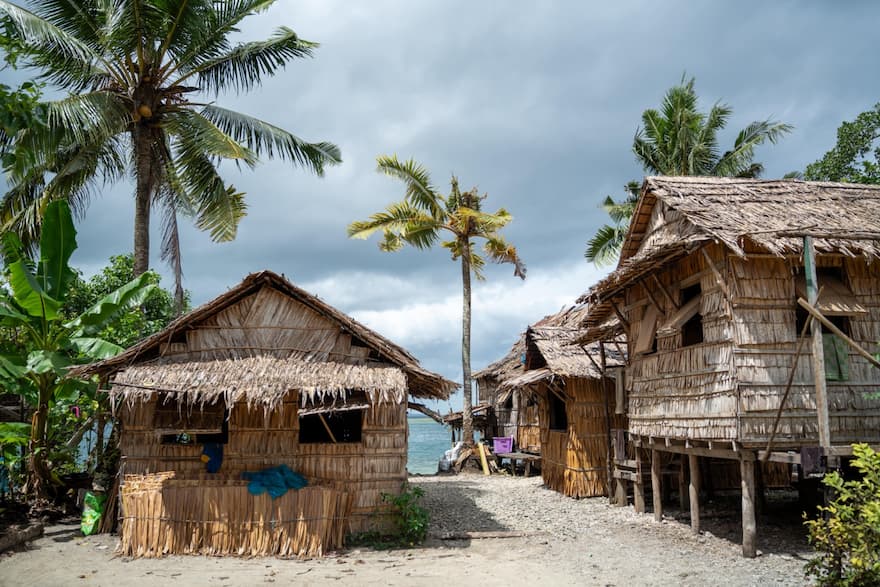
(420, 219)
(678, 139)
(134, 70)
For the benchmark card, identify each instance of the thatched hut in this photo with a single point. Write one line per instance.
(716, 280)
(265, 375)
(514, 415)
(575, 392)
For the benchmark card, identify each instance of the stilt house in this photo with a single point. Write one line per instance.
(717, 279)
(264, 376)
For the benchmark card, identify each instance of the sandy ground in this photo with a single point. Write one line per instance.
(570, 542)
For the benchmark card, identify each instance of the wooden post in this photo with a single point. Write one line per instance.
(749, 544)
(818, 352)
(682, 483)
(619, 455)
(656, 485)
(694, 492)
(639, 487)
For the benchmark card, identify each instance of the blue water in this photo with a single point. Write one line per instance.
(428, 440)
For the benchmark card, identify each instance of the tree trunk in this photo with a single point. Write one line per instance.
(467, 417)
(142, 139)
(40, 476)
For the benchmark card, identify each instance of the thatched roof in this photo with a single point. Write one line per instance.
(262, 381)
(314, 374)
(741, 214)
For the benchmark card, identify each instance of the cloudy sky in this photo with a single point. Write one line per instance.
(535, 103)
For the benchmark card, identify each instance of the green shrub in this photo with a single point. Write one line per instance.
(410, 518)
(847, 537)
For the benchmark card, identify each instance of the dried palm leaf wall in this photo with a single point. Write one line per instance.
(729, 386)
(574, 461)
(164, 514)
(680, 392)
(764, 291)
(528, 427)
(259, 439)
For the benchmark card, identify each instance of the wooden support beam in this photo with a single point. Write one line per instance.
(664, 291)
(656, 485)
(818, 358)
(682, 483)
(327, 428)
(749, 526)
(718, 277)
(652, 298)
(830, 325)
(694, 491)
(620, 317)
(639, 487)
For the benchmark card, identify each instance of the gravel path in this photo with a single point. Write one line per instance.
(603, 544)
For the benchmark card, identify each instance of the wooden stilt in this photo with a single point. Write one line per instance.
(694, 492)
(749, 527)
(656, 485)
(682, 483)
(639, 486)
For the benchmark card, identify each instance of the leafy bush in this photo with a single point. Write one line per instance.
(410, 518)
(847, 537)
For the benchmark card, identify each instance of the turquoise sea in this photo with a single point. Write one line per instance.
(428, 440)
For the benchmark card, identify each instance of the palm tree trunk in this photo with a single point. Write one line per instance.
(141, 137)
(467, 417)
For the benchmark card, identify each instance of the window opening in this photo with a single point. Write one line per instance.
(331, 427)
(558, 417)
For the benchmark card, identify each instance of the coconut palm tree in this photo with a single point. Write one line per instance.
(678, 139)
(420, 219)
(135, 71)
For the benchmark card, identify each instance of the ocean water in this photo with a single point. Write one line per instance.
(428, 440)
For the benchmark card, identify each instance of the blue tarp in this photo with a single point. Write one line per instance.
(276, 480)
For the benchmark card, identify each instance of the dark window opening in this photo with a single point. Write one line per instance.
(692, 329)
(558, 417)
(184, 423)
(508, 403)
(841, 322)
(331, 427)
(221, 437)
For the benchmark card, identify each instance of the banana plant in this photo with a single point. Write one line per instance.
(48, 343)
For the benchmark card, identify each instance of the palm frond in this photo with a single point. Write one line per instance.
(402, 219)
(89, 118)
(266, 139)
(500, 251)
(604, 248)
(418, 183)
(206, 137)
(244, 66)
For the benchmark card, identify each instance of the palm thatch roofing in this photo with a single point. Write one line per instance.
(390, 375)
(772, 216)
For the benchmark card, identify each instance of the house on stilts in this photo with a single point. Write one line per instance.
(751, 310)
(271, 381)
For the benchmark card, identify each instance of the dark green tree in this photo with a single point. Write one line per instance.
(856, 156)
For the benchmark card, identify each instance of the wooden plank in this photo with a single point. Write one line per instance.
(818, 358)
(694, 492)
(718, 277)
(657, 485)
(626, 475)
(749, 527)
(639, 488)
(830, 325)
(663, 290)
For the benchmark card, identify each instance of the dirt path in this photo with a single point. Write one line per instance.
(582, 542)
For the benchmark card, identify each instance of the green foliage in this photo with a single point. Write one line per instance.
(856, 156)
(41, 344)
(410, 518)
(153, 315)
(847, 538)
